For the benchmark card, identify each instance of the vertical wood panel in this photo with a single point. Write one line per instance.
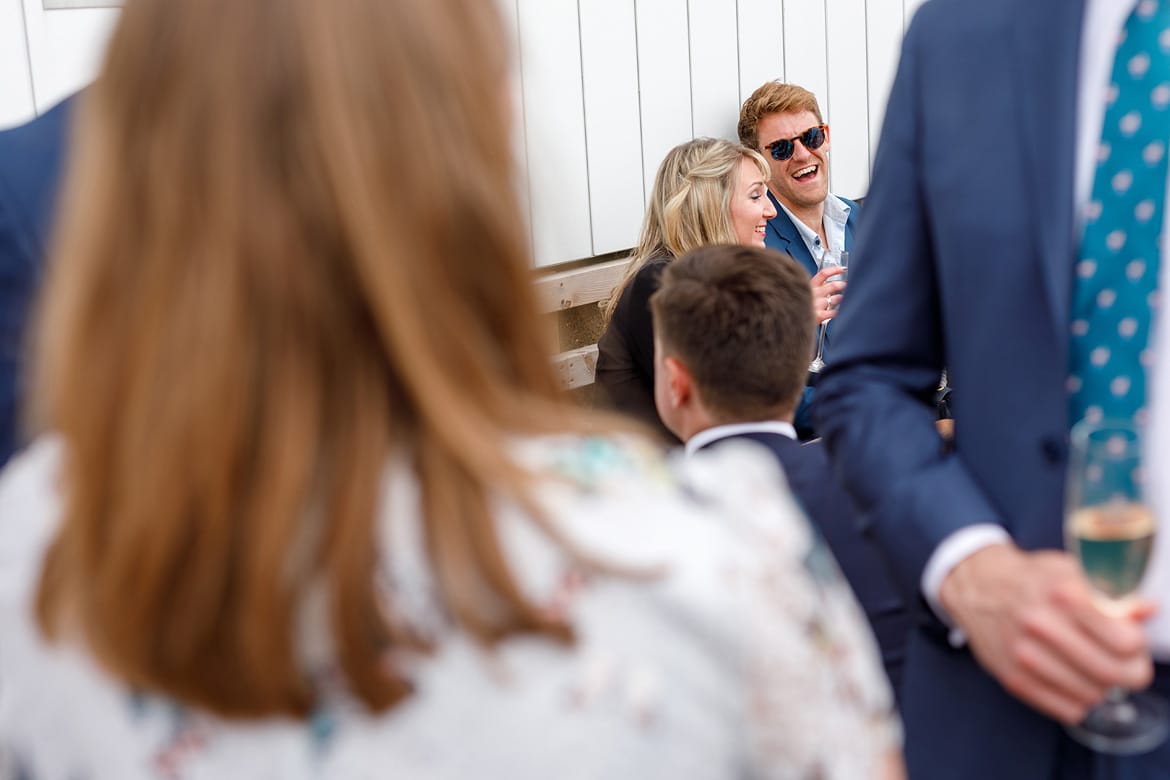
(511, 20)
(16, 97)
(714, 68)
(664, 77)
(805, 48)
(554, 114)
(603, 89)
(884, 22)
(609, 66)
(848, 108)
(761, 44)
(65, 48)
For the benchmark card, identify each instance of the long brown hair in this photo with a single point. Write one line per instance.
(689, 205)
(290, 246)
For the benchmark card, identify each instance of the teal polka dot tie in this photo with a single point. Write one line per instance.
(1115, 287)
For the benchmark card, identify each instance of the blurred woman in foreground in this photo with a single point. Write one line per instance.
(312, 505)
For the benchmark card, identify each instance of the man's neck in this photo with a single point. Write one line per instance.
(708, 434)
(812, 216)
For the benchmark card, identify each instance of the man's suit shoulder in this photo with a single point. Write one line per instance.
(30, 164)
(957, 19)
(36, 138)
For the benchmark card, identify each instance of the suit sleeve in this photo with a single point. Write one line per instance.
(16, 283)
(875, 402)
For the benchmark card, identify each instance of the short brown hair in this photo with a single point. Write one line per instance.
(741, 319)
(773, 97)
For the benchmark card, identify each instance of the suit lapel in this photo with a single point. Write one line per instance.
(853, 209)
(783, 236)
(1047, 49)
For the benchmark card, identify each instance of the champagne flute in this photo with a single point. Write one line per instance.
(832, 259)
(1109, 528)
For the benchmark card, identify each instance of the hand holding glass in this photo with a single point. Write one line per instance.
(832, 259)
(1109, 528)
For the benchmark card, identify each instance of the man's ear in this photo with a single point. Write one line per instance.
(679, 382)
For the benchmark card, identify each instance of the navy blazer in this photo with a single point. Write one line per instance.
(30, 166)
(782, 234)
(964, 260)
(827, 505)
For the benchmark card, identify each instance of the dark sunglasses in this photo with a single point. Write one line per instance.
(813, 138)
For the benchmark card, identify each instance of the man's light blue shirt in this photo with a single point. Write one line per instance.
(836, 215)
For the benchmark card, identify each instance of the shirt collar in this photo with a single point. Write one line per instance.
(836, 216)
(703, 438)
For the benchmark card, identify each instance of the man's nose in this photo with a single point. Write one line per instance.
(800, 151)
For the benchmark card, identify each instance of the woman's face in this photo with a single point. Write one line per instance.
(750, 206)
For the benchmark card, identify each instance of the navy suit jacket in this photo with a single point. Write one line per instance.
(30, 165)
(782, 235)
(827, 506)
(964, 260)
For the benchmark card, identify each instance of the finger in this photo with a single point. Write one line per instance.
(1047, 665)
(820, 276)
(1114, 626)
(1141, 610)
(1053, 703)
(1063, 632)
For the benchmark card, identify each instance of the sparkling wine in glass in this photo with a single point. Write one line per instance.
(1110, 528)
(832, 259)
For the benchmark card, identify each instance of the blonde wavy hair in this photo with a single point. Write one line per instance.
(276, 267)
(690, 204)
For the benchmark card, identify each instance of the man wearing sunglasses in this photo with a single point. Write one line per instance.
(784, 122)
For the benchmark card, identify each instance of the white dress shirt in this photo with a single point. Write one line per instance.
(1103, 22)
(836, 216)
(703, 438)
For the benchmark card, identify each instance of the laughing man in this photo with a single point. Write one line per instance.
(784, 122)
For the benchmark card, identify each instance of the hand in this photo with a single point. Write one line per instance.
(826, 294)
(893, 766)
(1032, 622)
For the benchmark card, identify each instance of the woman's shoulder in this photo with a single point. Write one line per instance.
(741, 596)
(643, 283)
(649, 276)
(625, 497)
(29, 510)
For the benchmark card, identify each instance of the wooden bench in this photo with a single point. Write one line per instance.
(562, 291)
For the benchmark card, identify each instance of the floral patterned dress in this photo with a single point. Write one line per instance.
(736, 651)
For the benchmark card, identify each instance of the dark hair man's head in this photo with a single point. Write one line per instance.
(733, 332)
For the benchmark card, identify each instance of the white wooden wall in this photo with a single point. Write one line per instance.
(604, 89)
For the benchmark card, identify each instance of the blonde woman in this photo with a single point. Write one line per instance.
(311, 504)
(707, 191)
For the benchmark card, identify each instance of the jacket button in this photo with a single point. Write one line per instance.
(1053, 449)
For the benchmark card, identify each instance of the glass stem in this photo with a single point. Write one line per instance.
(1121, 709)
(821, 340)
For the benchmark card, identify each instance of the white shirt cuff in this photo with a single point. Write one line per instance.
(953, 550)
